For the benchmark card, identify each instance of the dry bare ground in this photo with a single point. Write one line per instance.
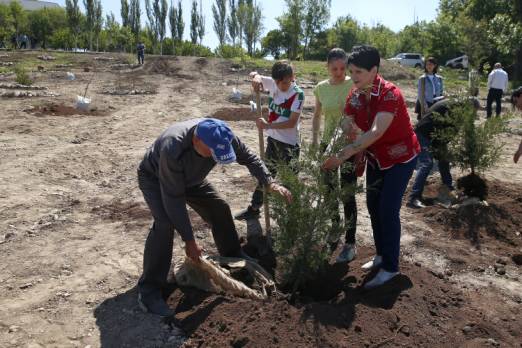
(73, 225)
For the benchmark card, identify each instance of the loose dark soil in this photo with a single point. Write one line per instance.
(495, 224)
(415, 309)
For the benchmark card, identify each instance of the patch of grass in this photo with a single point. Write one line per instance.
(314, 71)
(22, 77)
(30, 62)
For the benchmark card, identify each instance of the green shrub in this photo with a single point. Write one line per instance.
(229, 51)
(472, 145)
(476, 146)
(187, 48)
(22, 77)
(304, 227)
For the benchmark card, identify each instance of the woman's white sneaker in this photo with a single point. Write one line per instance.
(381, 278)
(374, 263)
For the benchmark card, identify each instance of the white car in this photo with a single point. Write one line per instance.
(409, 59)
(461, 62)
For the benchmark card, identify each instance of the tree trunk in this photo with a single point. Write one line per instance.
(518, 67)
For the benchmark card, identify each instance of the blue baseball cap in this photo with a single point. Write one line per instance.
(218, 137)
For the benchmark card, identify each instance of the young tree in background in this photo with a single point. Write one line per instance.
(241, 15)
(124, 12)
(135, 18)
(253, 25)
(6, 24)
(317, 15)
(19, 16)
(160, 12)
(274, 42)
(111, 28)
(194, 22)
(219, 12)
(98, 22)
(40, 26)
(180, 22)
(291, 23)
(73, 18)
(201, 23)
(90, 16)
(152, 25)
(232, 24)
(173, 18)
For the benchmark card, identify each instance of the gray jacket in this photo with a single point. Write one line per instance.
(173, 161)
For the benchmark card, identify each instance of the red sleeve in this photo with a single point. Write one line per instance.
(389, 101)
(349, 109)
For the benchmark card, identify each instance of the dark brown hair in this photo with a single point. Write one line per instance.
(281, 70)
(434, 61)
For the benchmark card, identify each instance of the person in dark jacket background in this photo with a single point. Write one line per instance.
(438, 117)
(171, 176)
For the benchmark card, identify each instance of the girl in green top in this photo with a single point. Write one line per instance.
(330, 98)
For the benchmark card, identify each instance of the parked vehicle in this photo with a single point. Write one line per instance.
(458, 63)
(409, 59)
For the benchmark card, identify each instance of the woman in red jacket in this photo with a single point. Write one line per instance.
(377, 108)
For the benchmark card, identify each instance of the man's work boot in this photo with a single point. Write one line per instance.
(155, 304)
(415, 204)
(247, 214)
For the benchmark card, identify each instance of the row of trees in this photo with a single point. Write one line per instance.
(77, 26)
(486, 30)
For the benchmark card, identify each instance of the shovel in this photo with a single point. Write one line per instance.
(262, 152)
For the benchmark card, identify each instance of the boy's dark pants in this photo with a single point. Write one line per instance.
(157, 256)
(276, 152)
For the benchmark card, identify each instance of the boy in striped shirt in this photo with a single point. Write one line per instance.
(285, 103)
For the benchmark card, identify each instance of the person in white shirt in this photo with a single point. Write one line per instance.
(285, 103)
(497, 85)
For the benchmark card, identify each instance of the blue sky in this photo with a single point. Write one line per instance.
(394, 14)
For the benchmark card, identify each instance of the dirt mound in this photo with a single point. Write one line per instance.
(393, 71)
(168, 66)
(64, 110)
(201, 62)
(122, 211)
(236, 114)
(498, 222)
(398, 314)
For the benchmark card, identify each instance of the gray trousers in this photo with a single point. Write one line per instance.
(157, 256)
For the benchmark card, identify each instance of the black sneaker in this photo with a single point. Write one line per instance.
(155, 305)
(247, 214)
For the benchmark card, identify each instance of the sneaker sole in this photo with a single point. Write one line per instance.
(142, 305)
(372, 267)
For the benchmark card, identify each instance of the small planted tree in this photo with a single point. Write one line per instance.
(22, 77)
(471, 145)
(301, 237)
